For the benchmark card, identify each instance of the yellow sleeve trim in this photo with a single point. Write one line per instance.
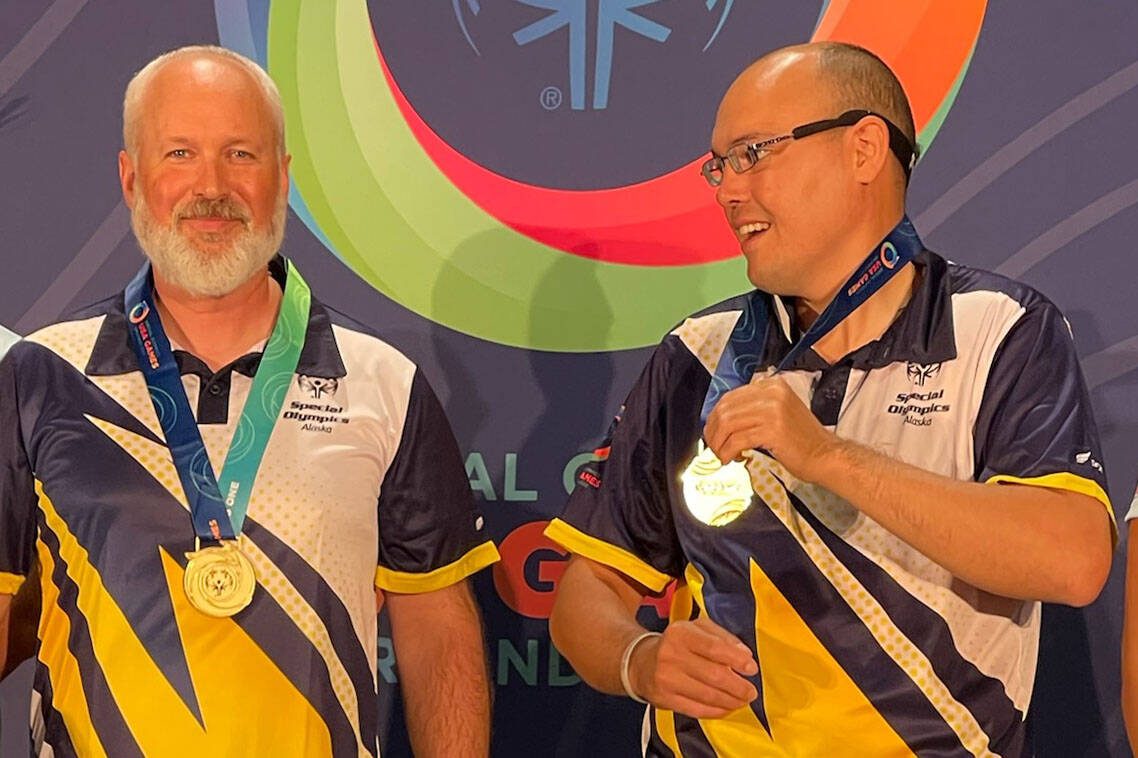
(1071, 482)
(10, 583)
(576, 541)
(411, 583)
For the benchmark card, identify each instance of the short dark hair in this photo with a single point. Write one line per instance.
(862, 80)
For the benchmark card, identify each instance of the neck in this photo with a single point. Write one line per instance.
(874, 316)
(219, 329)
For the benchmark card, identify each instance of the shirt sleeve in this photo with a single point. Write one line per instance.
(430, 535)
(619, 513)
(17, 487)
(1035, 424)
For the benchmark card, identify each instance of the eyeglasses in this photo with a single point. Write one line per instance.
(745, 156)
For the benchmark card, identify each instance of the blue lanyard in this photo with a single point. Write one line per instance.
(215, 517)
(743, 351)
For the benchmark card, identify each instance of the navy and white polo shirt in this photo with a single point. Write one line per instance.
(362, 486)
(865, 646)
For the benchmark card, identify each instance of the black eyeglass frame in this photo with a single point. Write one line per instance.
(899, 145)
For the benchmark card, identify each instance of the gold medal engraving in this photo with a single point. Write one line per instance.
(219, 580)
(716, 494)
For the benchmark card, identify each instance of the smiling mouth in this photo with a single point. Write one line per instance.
(749, 231)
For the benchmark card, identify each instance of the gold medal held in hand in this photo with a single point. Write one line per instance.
(716, 494)
(219, 579)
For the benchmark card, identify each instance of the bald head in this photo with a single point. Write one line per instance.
(845, 77)
(218, 65)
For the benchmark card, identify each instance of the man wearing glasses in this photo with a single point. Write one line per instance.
(818, 466)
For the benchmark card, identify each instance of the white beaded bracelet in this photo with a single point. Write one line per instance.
(624, 661)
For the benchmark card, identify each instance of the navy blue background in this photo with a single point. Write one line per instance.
(1032, 174)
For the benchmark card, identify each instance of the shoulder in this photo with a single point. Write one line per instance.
(370, 366)
(362, 346)
(987, 306)
(106, 306)
(978, 285)
(74, 338)
(704, 334)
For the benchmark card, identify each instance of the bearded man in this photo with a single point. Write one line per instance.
(218, 475)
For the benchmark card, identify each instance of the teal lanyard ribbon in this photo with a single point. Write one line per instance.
(218, 505)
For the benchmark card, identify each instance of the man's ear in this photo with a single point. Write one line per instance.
(126, 178)
(285, 163)
(870, 139)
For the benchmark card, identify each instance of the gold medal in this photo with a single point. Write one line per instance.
(716, 494)
(220, 579)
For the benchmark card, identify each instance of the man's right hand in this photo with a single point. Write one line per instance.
(694, 668)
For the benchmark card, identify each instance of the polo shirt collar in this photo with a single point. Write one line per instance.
(922, 333)
(113, 352)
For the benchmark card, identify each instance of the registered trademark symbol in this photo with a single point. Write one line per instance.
(551, 98)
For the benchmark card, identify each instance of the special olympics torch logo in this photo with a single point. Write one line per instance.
(572, 14)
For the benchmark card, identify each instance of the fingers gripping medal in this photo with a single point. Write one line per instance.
(717, 494)
(220, 580)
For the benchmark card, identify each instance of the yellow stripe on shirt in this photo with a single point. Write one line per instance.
(62, 667)
(595, 549)
(10, 583)
(1065, 480)
(411, 583)
(153, 711)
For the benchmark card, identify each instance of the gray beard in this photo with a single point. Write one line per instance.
(176, 259)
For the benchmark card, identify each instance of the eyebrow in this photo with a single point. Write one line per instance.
(250, 142)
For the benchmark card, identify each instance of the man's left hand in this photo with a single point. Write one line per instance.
(766, 414)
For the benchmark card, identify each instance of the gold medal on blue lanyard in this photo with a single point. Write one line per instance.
(220, 579)
(717, 493)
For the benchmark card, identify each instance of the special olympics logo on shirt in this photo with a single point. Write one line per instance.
(919, 373)
(318, 386)
(139, 313)
(889, 255)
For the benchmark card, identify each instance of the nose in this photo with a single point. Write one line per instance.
(210, 181)
(732, 190)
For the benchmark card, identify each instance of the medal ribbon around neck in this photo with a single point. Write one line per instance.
(216, 517)
(741, 355)
(717, 494)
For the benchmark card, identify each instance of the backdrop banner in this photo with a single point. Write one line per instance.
(508, 191)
